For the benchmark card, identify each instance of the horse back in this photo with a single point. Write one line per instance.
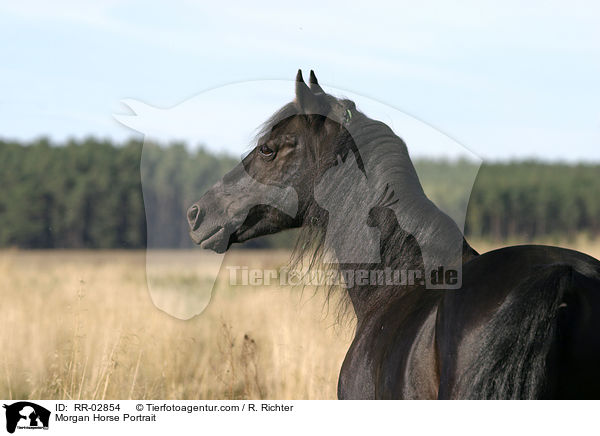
(524, 325)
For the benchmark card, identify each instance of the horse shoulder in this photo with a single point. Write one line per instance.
(393, 353)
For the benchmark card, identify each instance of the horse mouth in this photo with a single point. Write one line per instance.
(216, 240)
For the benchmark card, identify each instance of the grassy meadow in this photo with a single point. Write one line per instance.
(81, 325)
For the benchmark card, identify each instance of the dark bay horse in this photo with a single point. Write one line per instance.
(516, 323)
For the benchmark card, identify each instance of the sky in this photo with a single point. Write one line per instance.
(504, 80)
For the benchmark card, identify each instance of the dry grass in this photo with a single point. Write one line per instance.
(82, 325)
(581, 243)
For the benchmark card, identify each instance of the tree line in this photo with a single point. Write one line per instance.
(88, 194)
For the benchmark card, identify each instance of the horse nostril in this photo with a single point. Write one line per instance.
(194, 217)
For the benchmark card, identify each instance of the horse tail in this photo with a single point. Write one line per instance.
(578, 334)
(519, 349)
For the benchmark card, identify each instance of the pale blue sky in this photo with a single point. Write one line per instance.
(505, 80)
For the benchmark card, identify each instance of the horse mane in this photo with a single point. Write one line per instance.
(382, 156)
(285, 112)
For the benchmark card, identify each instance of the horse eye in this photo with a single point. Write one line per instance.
(265, 150)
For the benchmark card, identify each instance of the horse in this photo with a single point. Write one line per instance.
(519, 322)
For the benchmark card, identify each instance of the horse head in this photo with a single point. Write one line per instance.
(272, 189)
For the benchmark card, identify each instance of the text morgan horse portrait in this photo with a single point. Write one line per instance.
(520, 322)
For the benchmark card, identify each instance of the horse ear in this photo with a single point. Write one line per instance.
(305, 98)
(314, 84)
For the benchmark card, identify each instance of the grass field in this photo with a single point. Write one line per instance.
(80, 324)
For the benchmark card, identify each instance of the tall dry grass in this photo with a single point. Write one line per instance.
(81, 325)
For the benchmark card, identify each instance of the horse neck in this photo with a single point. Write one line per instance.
(415, 234)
